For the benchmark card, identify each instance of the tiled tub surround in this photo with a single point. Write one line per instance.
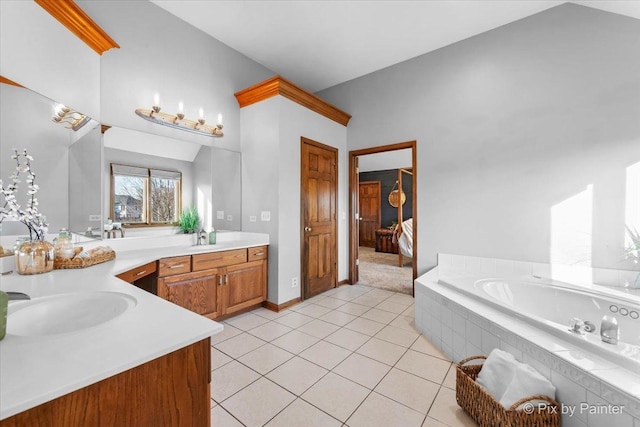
(461, 325)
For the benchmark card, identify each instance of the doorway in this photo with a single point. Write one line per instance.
(318, 199)
(396, 242)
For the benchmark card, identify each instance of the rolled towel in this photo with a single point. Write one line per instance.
(497, 372)
(526, 382)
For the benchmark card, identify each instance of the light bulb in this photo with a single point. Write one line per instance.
(219, 119)
(156, 100)
(201, 113)
(180, 107)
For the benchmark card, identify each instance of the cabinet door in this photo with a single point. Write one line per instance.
(197, 292)
(244, 285)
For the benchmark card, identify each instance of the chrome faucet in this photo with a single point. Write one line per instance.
(14, 296)
(202, 237)
(609, 331)
(579, 326)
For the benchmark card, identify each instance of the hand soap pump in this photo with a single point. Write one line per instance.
(212, 236)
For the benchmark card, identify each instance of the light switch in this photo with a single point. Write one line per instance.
(95, 217)
(252, 218)
(229, 217)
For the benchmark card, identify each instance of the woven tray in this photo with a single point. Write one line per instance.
(61, 263)
(488, 412)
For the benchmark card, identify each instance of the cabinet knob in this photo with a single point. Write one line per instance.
(307, 229)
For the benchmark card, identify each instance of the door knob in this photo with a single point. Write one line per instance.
(307, 229)
(360, 218)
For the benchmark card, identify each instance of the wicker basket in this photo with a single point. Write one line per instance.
(488, 412)
(61, 263)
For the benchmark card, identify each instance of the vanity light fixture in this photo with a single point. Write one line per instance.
(65, 115)
(178, 120)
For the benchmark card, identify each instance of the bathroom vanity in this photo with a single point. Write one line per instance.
(150, 364)
(213, 284)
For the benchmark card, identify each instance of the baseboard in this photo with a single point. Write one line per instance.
(279, 307)
(344, 282)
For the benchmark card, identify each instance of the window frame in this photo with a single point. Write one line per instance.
(147, 198)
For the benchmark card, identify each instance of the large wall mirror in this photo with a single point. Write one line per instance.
(210, 177)
(67, 162)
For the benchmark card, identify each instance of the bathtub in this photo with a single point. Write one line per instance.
(470, 305)
(551, 305)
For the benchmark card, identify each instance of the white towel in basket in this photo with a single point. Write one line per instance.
(526, 382)
(497, 372)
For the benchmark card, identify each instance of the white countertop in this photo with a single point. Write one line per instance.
(34, 370)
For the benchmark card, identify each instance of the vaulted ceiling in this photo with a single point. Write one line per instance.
(319, 44)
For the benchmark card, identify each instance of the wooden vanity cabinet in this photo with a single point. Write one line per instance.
(143, 277)
(245, 285)
(195, 291)
(216, 283)
(242, 276)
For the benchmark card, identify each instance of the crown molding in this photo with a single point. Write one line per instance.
(6, 81)
(278, 86)
(69, 14)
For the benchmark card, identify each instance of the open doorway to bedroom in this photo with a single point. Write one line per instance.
(383, 225)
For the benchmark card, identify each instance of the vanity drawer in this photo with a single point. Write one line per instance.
(174, 265)
(219, 259)
(257, 253)
(138, 272)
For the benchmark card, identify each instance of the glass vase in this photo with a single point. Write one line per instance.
(34, 257)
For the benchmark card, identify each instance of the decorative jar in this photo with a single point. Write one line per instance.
(34, 257)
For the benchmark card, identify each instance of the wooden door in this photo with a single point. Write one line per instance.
(369, 200)
(197, 291)
(319, 180)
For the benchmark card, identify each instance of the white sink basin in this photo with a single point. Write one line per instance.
(60, 314)
(197, 248)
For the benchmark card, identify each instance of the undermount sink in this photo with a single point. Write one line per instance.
(201, 247)
(64, 313)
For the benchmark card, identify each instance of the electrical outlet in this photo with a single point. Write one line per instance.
(294, 282)
(253, 218)
(219, 214)
(229, 217)
(95, 218)
(265, 216)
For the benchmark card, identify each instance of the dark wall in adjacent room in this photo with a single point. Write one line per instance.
(387, 180)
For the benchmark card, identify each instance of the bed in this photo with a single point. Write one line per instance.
(403, 233)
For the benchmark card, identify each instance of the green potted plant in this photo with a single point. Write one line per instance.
(189, 220)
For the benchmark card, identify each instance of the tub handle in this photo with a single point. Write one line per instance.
(547, 399)
(470, 358)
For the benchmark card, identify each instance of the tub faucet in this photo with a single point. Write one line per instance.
(609, 331)
(579, 326)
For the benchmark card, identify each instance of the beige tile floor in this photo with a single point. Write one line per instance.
(348, 357)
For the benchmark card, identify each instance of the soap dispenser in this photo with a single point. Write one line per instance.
(63, 245)
(212, 236)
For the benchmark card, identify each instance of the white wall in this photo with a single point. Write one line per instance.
(161, 53)
(384, 161)
(271, 132)
(40, 53)
(514, 126)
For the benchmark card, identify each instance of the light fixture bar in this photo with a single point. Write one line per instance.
(174, 121)
(65, 115)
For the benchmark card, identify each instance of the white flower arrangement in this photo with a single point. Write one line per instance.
(30, 216)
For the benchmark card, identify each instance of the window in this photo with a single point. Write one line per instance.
(145, 196)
